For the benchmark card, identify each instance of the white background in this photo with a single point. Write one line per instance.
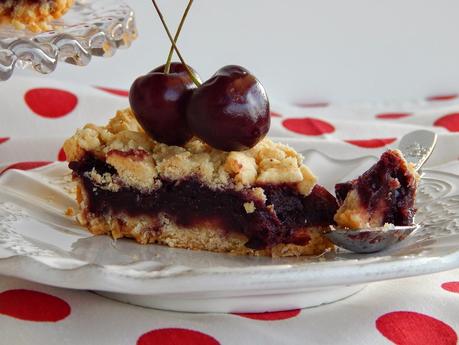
(301, 50)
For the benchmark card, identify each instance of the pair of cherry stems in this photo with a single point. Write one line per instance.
(173, 40)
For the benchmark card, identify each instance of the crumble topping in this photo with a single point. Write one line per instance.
(104, 181)
(32, 15)
(139, 160)
(351, 214)
(133, 171)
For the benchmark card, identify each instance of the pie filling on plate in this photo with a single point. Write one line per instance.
(262, 201)
(32, 14)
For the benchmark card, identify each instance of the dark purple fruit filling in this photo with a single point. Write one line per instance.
(189, 203)
(380, 192)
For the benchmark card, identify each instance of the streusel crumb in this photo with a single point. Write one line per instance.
(139, 160)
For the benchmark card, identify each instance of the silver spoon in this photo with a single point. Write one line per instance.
(416, 147)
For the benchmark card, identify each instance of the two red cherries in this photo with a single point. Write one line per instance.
(230, 111)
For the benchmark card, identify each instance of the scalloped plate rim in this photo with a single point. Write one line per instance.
(212, 281)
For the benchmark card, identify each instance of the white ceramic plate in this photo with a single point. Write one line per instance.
(39, 243)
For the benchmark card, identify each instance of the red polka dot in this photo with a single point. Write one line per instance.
(450, 122)
(274, 114)
(371, 143)
(61, 155)
(25, 165)
(50, 103)
(176, 336)
(117, 92)
(392, 116)
(272, 316)
(410, 328)
(308, 126)
(451, 286)
(4, 140)
(442, 97)
(33, 306)
(312, 104)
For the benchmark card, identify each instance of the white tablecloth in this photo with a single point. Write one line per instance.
(37, 114)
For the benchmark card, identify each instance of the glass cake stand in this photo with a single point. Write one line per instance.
(89, 28)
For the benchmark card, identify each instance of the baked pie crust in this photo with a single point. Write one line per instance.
(252, 202)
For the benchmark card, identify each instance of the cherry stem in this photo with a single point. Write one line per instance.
(192, 76)
(177, 34)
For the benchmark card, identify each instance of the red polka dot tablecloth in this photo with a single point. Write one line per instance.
(38, 114)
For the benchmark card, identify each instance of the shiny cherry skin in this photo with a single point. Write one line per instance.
(159, 102)
(230, 111)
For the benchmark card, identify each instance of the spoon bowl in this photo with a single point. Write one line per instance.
(369, 240)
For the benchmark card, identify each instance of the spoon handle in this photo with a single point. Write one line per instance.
(417, 146)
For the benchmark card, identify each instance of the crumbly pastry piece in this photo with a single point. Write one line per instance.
(33, 15)
(263, 201)
(384, 194)
(139, 160)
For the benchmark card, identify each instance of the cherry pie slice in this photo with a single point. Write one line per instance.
(263, 201)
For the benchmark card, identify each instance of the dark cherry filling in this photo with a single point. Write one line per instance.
(190, 203)
(379, 191)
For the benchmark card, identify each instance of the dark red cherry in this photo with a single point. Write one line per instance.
(230, 111)
(159, 102)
